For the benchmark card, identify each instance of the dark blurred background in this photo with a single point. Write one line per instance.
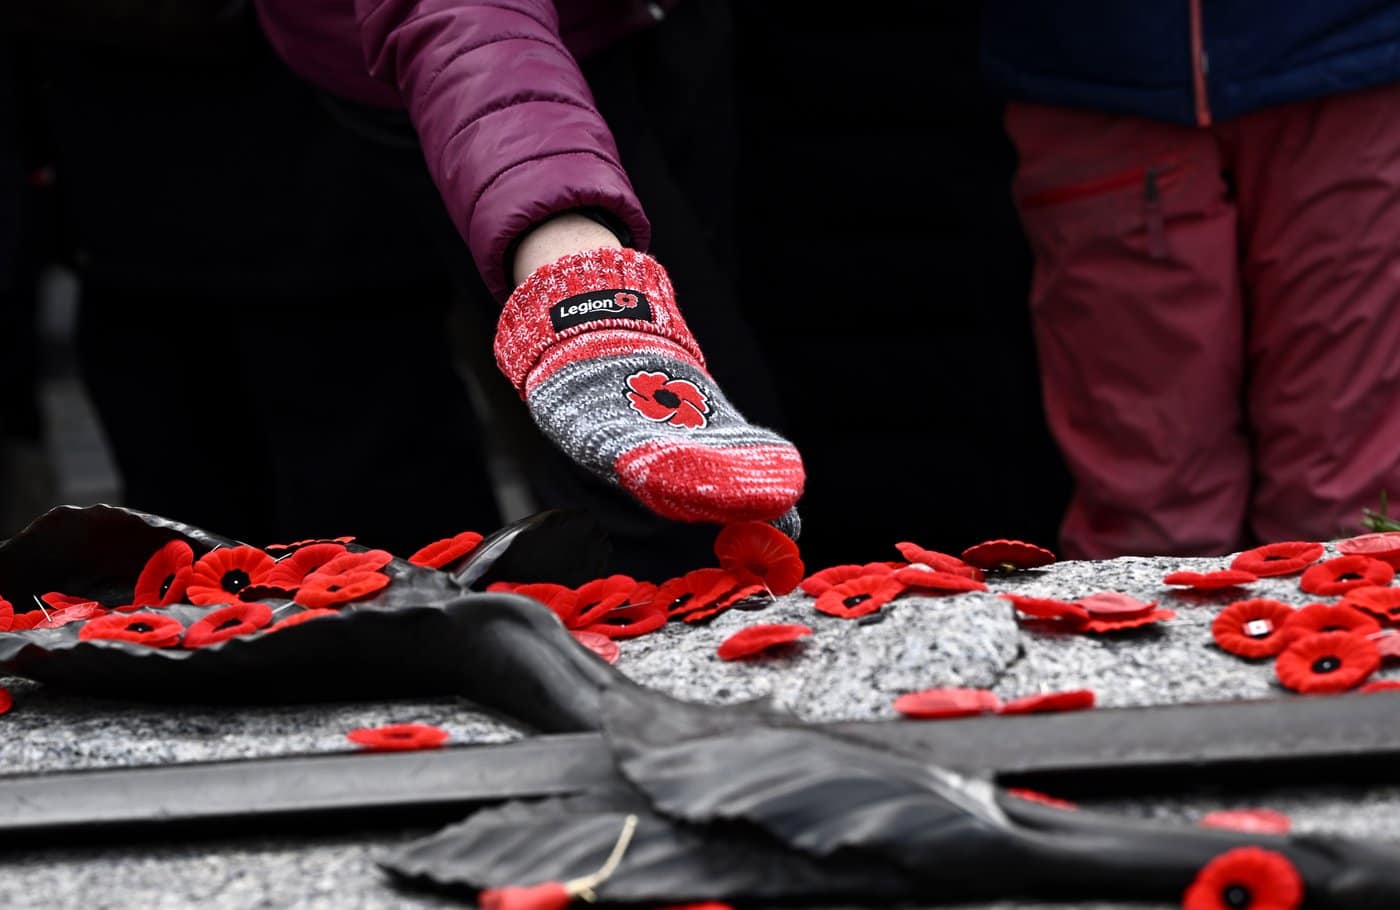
(880, 263)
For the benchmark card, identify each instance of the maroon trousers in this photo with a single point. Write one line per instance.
(1217, 317)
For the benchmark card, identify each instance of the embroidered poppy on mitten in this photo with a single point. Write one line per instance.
(596, 347)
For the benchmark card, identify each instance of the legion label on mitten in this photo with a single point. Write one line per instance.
(594, 305)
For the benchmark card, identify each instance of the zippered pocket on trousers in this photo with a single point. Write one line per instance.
(1148, 181)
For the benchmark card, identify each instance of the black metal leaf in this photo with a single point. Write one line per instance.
(559, 546)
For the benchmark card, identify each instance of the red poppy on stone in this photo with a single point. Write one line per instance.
(225, 623)
(1114, 606)
(755, 552)
(1340, 574)
(57, 600)
(1072, 700)
(1327, 662)
(656, 396)
(694, 590)
(936, 704)
(1246, 878)
(1210, 581)
(563, 601)
(24, 621)
(297, 544)
(1275, 559)
(1382, 602)
(1097, 626)
(544, 896)
(1328, 618)
(155, 630)
(1048, 608)
(347, 563)
(1380, 685)
(297, 619)
(80, 611)
(600, 597)
(936, 580)
(817, 583)
(1384, 546)
(1044, 799)
(1253, 821)
(1007, 555)
(399, 737)
(323, 590)
(221, 574)
(755, 639)
(1252, 628)
(165, 576)
(444, 552)
(291, 570)
(601, 645)
(726, 600)
(7, 615)
(943, 562)
(7, 701)
(860, 597)
(629, 621)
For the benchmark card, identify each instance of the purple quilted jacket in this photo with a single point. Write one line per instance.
(507, 123)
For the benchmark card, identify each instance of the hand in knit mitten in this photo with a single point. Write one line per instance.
(595, 345)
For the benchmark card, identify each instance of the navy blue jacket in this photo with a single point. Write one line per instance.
(1188, 61)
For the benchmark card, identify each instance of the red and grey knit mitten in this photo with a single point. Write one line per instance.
(596, 347)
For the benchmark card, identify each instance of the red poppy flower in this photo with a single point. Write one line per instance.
(600, 597)
(1327, 618)
(1274, 559)
(1045, 799)
(155, 630)
(935, 580)
(56, 600)
(695, 589)
(1246, 878)
(444, 552)
(227, 622)
(755, 639)
(1327, 662)
(323, 590)
(656, 396)
(220, 574)
(629, 621)
(355, 563)
(7, 701)
(943, 562)
(1007, 555)
(757, 552)
(79, 611)
(24, 621)
(1098, 626)
(1384, 546)
(166, 574)
(297, 544)
(1380, 685)
(399, 737)
(1073, 700)
(544, 896)
(724, 602)
(562, 601)
(297, 619)
(1375, 600)
(1048, 608)
(7, 615)
(1114, 606)
(935, 704)
(1210, 581)
(817, 583)
(1341, 574)
(1252, 628)
(291, 570)
(1252, 821)
(860, 597)
(601, 645)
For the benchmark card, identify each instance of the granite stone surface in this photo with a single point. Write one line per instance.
(844, 670)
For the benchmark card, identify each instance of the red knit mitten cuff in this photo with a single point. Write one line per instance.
(618, 289)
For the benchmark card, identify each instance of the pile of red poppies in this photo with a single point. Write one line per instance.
(1322, 647)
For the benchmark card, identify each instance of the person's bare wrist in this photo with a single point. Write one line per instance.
(560, 236)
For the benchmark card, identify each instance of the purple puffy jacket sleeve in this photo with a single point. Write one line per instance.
(505, 118)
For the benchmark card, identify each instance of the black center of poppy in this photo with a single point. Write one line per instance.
(140, 627)
(667, 398)
(679, 601)
(165, 585)
(227, 624)
(1333, 629)
(1326, 665)
(1349, 576)
(855, 600)
(333, 588)
(1237, 897)
(234, 580)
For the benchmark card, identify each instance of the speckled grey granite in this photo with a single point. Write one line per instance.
(845, 670)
